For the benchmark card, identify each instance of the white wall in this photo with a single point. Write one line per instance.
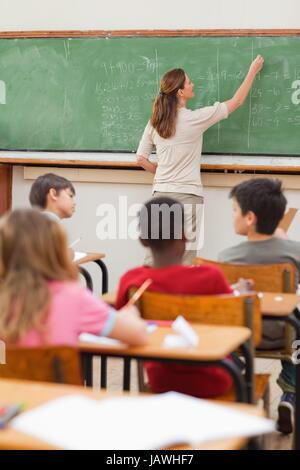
(154, 14)
(123, 254)
(136, 14)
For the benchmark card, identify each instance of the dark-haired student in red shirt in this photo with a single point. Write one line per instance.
(162, 230)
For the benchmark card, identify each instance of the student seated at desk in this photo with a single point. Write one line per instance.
(53, 194)
(164, 234)
(41, 301)
(258, 207)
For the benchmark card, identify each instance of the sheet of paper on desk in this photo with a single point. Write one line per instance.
(89, 338)
(78, 422)
(78, 255)
(94, 339)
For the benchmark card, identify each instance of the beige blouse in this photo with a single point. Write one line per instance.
(179, 156)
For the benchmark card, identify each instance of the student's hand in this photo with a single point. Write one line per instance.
(257, 64)
(243, 286)
(131, 312)
(129, 327)
(280, 233)
(146, 164)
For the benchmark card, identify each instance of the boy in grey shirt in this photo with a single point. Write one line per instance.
(258, 206)
(269, 251)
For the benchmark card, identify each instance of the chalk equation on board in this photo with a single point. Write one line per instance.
(2, 92)
(296, 93)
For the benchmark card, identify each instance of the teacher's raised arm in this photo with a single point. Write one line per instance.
(177, 134)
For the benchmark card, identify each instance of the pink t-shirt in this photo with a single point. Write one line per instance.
(73, 310)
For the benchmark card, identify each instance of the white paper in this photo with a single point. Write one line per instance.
(78, 255)
(175, 341)
(126, 423)
(89, 338)
(184, 329)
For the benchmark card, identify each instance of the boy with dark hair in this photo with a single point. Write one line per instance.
(258, 206)
(54, 194)
(162, 230)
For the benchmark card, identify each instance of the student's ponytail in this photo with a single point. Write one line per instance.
(164, 112)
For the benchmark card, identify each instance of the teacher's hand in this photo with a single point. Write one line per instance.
(257, 64)
(140, 160)
(144, 163)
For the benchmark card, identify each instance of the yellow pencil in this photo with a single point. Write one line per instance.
(138, 293)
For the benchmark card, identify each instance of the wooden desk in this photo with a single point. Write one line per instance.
(280, 306)
(110, 298)
(98, 259)
(37, 393)
(274, 307)
(215, 345)
(288, 219)
(90, 257)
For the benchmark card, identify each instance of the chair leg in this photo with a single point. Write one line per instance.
(266, 400)
(261, 442)
(87, 277)
(143, 387)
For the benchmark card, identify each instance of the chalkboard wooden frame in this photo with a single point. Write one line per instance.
(150, 33)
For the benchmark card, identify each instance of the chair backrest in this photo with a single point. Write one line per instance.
(228, 309)
(279, 277)
(60, 364)
(288, 218)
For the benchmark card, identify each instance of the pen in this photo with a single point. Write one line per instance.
(8, 412)
(139, 292)
(75, 242)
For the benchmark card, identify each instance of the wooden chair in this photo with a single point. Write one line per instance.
(60, 364)
(288, 219)
(280, 277)
(227, 309)
(230, 310)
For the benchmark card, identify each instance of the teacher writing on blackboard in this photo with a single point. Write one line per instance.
(177, 134)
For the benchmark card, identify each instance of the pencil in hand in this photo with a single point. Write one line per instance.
(75, 242)
(138, 293)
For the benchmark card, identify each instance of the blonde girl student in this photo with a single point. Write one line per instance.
(177, 134)
(41, 301)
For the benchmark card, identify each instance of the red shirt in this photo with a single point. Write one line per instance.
(189, 280)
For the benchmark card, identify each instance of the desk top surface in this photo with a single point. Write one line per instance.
(278, 304)
(215, 343)
(90, 257)
(38, 393)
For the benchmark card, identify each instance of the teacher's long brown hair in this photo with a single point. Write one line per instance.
(164, 111)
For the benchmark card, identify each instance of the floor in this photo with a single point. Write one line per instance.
(274, 441)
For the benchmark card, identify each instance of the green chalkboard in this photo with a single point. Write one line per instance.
(96, 93)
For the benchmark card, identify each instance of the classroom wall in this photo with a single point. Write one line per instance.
(134, 14)
(124, 253)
